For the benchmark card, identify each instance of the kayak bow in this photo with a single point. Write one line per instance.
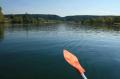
(73, 61)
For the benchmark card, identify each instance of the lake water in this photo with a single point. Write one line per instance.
(36, 51)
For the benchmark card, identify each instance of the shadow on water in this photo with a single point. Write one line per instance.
(2, 32)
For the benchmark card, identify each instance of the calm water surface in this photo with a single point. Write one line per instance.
(36, 52)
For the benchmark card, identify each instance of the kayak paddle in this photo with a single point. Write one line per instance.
(73, 61)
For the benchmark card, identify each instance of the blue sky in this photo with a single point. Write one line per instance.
(62, 7)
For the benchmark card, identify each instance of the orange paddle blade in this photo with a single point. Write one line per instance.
(72, 60)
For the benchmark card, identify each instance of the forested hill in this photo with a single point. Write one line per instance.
(33, 18)
(49, 18)
(37, 16)
(44, 18)
(89, 19)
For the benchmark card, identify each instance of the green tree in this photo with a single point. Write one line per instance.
(1, 16)
(17, 19)
(117, 19)
(108, 20)
(100, 20)
(27, 19)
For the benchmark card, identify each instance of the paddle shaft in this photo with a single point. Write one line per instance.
(83, 75)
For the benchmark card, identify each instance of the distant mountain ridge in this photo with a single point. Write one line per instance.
(46, 18)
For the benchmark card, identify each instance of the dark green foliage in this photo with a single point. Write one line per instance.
(117, 19)
(16, 19)
(33, 18)
(42, 18)
(94, 19)
(1, 16)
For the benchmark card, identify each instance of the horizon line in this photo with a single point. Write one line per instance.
(58, 14)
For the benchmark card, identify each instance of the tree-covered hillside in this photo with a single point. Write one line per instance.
(93, 19)
(33, 18)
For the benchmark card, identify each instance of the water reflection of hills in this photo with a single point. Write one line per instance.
(56, 27)
(107, 27)
(28, 27)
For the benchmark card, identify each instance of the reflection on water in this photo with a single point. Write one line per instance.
(35, 52)
(1, 32)
(53, 27)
